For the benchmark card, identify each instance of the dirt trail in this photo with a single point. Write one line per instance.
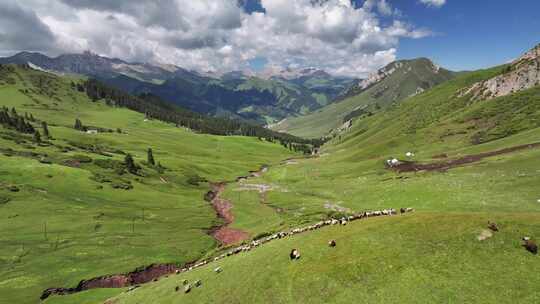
(138, 276)
(223, 233)
(448, 164)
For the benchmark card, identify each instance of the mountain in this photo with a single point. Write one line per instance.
(324, 86)
(233, 94)
(444, 250)
(80, 182)
(382, 89)
(93, 65)
(522, 73)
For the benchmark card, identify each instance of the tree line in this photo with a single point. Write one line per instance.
(155, 108)
(12, 120)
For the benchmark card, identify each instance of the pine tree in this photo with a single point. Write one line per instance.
(37, 137)
(78, 124)
(45, 129)
(130, 164)
(151, 160)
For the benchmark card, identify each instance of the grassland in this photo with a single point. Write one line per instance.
(403, 83)
(67, 223)
(430, 256)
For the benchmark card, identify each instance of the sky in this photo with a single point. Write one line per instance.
(343, 37)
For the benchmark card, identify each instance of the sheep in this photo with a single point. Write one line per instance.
(334, 222)
(493, 226)
(187, 288)
(409, 154)
(133, 288)
(392, 162)
(198, 283)
(218, 270)
(177, 271)
(332, 243)
(409, 209)
(343, 221)
(294, 255)
(530, 245)
(177, 288)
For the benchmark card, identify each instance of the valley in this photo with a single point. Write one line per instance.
(269, 151)
(347, 175)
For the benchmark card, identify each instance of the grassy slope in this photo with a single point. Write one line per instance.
(430, 256)
(394, 88)
(80, 243)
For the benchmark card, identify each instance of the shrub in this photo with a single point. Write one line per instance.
(82, 158)
(122, 185)
(196, 179)
(4, 200)
(108, 163)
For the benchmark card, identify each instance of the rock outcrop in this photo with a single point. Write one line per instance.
(521, 74)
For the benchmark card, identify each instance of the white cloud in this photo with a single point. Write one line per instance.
(435, 3)
(218, 35)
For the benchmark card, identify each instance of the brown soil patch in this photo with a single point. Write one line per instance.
(138, 276)
(225, 235)
(448, 164)
(229, 236)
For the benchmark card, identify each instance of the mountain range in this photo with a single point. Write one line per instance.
(261, 100)
(75, 202)
(384, 88)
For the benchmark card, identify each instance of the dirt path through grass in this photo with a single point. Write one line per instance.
(224, 234)
(448, 164)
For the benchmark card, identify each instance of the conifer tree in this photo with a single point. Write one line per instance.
(45, 129)
(151, 160)
(37, 136)
(130, 164)
(78, 124)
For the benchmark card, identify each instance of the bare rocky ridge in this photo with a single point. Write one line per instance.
(523, 73)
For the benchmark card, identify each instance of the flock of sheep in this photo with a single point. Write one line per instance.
(279, 235)
(295, 254)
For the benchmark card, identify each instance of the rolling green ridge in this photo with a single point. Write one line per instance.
(232, 95)
(65, 215)
(405, 80)
(432, 255)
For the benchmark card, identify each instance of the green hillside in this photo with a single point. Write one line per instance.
(71, 209)
(406, 78)
(432, 255)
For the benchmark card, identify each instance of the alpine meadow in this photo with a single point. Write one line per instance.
(269, 151)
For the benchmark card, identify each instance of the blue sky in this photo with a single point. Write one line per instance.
(472, 34)
(221, 36)
(467, 34)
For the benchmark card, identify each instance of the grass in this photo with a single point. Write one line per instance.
(66, 224)
(424, 257)
(388, 92)
(430, 256)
